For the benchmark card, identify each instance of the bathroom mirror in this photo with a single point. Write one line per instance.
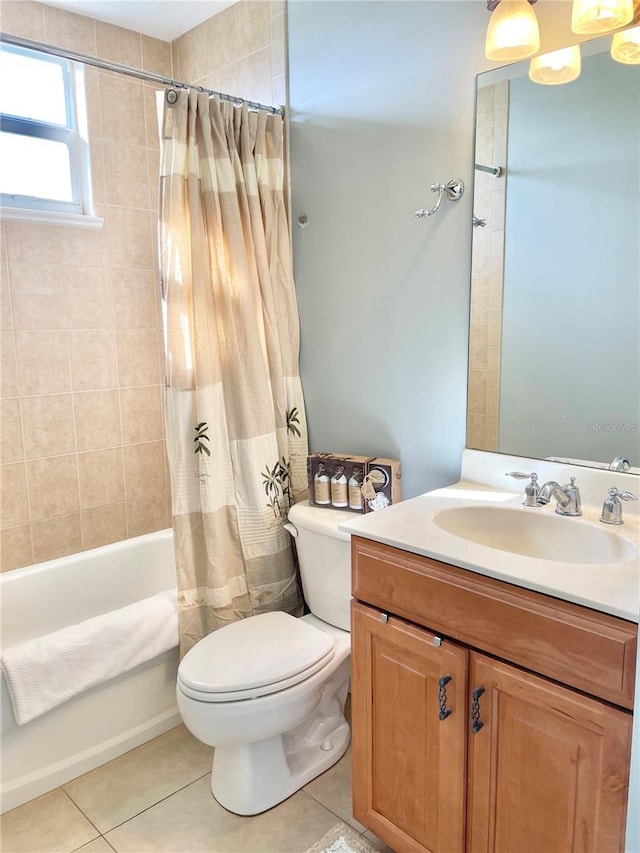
(554, 346)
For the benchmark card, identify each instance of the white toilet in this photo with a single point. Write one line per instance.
(268, 692)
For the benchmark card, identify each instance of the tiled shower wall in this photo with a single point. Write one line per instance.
(487, 269)
(83, 452)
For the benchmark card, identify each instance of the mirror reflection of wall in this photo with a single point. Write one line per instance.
(554, 337)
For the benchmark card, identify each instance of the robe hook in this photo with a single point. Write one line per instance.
(453, 190)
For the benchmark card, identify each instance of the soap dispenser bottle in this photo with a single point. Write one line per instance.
(339, 488)
(321, 486)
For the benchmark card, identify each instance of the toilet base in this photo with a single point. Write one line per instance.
(254, 777)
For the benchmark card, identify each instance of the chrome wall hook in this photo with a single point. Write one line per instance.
(453, 190)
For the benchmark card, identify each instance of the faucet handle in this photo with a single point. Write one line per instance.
(612, 508)
(531, 490)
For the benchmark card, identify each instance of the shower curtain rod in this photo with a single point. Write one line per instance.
(131, 72)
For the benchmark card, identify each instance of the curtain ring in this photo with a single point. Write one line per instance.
(171, 96)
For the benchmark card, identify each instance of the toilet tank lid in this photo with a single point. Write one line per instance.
(253, 652)
(320, 520)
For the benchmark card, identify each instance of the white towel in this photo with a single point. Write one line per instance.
(51, 669)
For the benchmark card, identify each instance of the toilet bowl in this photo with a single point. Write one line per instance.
(268, 692)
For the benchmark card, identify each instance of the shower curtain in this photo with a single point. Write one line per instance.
(235, 418)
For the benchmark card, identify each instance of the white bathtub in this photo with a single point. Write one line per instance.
(111, 718)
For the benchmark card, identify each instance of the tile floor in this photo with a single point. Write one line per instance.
(157, 799)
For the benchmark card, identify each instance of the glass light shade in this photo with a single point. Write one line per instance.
(625, 46)
(513, 32)
(560, 66)
(600, 16)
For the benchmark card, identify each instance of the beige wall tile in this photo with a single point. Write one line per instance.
(495, 328)
(152, 131)
(66, 29)
(22, 18)
(153, 169)
(477, 396)
(93, 360)
(43, 362)
(6, 310)
(497, 250)
(253, 18)
(156, 56)
(85, 246)
(13, 495)
(34, 243)
(476, 431)
(56, 537)
(254, 76)
(220, 39)
(147, 514)
(16, 550)
(11, 446)
(480, 300)
(37, 296)
(88, 300)
(144, 469)
(53, 487)
(48, 425)
(98, 178)
(478, 346)
(130, 238)
(138, 357)
(8, 365)
(134, 297)
(191, 53)
(126, 176)
(103, 525)
(141, 410)
(122, 109)
(118, 44)
(278, 46)
(92, 95)
(280, 93)
(101, 477)
(97, 419)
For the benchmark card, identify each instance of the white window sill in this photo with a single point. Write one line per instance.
(51, 217)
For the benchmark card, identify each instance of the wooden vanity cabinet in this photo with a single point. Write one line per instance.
(457, 750)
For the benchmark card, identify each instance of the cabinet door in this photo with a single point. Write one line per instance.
(548, 770)
(409, 765)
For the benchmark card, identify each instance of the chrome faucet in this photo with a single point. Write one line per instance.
(620, 463)
(612, 508)
(567, 497)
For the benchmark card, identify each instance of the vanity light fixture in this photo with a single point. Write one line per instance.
(557, 67)
(513, 31)
(591, 17)
(625, 46)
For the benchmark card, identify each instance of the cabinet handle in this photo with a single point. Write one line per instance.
(476, 722)
(442, 697)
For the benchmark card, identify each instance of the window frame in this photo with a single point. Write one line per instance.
(74, 135)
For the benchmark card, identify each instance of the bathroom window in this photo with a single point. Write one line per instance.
(44, 156)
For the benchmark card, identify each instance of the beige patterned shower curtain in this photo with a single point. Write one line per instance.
(235, 419)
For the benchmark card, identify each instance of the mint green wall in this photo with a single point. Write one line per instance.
(380, 110)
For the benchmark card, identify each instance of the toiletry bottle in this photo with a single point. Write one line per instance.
(355, 490)
(339, 488)
(321, 486)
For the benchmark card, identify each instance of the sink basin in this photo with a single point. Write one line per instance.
(535, 533)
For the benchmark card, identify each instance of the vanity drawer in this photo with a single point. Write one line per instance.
(577, 646)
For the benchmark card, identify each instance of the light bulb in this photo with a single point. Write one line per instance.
(557, 67)
(513, 31)
(600, 16)
(625, 46)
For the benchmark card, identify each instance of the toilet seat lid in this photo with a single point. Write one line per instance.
(252, 653)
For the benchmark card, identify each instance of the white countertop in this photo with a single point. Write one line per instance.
(612, 588)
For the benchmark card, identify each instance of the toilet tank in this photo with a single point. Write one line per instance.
(324, 553)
